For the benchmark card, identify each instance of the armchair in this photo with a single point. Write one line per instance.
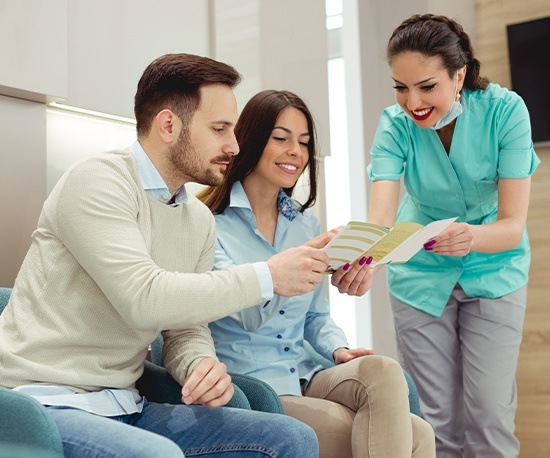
(258, 394)
(27, 429)
(262, 397)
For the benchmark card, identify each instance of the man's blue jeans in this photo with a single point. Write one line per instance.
(166, 431)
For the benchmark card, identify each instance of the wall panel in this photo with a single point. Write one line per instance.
(33, 53)
(533, 415)
(111, 42)
(22, 180)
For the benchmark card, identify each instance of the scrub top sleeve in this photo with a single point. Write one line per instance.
(517, 158)
(389, 148)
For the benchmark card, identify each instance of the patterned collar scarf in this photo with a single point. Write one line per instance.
(285, 205)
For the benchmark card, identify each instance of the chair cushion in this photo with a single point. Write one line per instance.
(25, 424)
(4, 298)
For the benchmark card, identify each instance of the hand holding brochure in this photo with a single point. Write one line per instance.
(397, 244)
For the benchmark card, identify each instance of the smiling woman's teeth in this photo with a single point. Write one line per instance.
(422, 112)
(288, 167)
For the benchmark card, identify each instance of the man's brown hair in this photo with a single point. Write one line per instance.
(173, 81)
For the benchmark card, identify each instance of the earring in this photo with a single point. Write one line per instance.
(458, 97)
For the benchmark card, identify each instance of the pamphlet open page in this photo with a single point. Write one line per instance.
(385, 245)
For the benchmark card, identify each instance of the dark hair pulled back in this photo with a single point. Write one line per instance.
(431, 36)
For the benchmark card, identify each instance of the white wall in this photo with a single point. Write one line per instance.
(92, 54)
(71, 137)
(277, 44)
(22, 179)
(110, 42)
(33, 68)
(33, 50)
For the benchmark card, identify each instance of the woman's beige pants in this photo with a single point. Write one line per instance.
(361, 409)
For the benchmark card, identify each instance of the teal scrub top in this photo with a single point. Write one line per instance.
(491, 140)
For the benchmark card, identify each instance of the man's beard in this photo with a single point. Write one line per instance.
(187, 163)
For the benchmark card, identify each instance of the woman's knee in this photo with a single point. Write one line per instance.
(381, 369)
(423, 438)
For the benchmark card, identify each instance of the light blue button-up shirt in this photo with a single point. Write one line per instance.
(267, 342)
(491, 140)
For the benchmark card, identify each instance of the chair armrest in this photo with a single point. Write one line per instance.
(414, 400)
(157, 385)
(26, 425)
(259, 394)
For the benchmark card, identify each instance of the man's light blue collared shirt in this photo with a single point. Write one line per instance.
(151, 180)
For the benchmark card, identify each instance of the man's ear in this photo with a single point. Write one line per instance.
(167, 125)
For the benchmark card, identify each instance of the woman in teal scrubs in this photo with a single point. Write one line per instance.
(464, 149)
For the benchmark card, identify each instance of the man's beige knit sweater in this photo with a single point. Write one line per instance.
(108, 269)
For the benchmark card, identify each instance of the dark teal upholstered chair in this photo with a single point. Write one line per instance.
(27, 430)
(259, 395)
(262, 397)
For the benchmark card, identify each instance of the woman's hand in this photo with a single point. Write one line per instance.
(343, 355)
(455, 240)
(354, 281)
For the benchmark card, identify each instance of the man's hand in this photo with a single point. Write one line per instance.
(295, 271)
(209, 385)
(354, 281)
(343, 355)
(321, 240)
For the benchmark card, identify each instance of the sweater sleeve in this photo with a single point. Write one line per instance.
(183, 349)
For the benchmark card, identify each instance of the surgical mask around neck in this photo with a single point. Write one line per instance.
(454, 112)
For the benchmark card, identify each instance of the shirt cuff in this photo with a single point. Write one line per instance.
(266, 282)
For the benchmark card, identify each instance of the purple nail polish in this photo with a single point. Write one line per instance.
(346, 266)
(428, 248)
(429, 244)
(369, 260)
(362, 261)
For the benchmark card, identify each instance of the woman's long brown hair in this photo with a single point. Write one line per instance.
(253, 130)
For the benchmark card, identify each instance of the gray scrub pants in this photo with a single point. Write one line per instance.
(464, 365)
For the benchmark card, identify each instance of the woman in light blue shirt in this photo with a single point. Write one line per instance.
(464, 148)
(359, 407)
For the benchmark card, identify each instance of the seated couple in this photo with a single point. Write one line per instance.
(123, 252)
